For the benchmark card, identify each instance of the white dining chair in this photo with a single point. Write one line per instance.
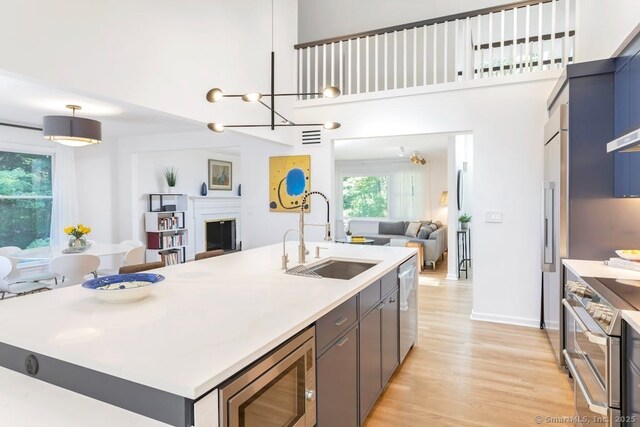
(135, 255)
(72, 269)
(132, 242)
(16, 276)
(15, 288)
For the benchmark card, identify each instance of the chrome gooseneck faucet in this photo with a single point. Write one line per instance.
(302, 250)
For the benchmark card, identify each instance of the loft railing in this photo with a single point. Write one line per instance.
(523, 37)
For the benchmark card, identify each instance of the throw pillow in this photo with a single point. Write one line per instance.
(438, 223)
(424, 232)
(412, 229)
(433, 227)
(388, 227)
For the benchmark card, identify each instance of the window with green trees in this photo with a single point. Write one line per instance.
(25, 199)
(365, 196)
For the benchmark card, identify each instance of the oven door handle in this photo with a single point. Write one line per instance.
(593, 407)
(593, 338)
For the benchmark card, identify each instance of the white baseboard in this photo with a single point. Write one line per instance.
(507, 320)
(452, 276)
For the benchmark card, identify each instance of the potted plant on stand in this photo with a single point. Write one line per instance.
(171, 175)
(464, 221)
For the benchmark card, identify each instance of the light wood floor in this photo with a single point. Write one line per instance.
(470, 373)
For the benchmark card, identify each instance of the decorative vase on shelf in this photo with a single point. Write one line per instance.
(171, 190)
(348, 237)
(203, 189)
(464, 225)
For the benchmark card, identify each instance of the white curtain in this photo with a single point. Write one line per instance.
(64, 209)
(408, 193)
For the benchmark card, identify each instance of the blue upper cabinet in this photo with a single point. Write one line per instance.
(621, 118)
(626, 118)
(634, 92)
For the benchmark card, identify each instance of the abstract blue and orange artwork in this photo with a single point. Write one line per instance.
(289, 180)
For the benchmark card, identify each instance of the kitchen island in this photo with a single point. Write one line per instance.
(206, 322)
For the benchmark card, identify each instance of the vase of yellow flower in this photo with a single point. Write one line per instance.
(77, 236)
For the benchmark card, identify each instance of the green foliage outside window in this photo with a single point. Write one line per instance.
(365, 196)
(25, 199)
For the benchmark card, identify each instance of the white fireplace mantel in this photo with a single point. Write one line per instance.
(210, 208)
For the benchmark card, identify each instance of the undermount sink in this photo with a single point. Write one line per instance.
(337, 269)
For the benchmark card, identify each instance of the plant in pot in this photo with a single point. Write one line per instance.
(464, 221)
(171, 175)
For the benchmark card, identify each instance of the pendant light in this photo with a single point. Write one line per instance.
(71, 130)
(216, 94)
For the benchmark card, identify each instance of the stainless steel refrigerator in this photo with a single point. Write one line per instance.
(581, 217)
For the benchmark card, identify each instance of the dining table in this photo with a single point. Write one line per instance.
(50, 252)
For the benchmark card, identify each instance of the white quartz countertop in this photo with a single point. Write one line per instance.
(205, 322)
(28, 402)
(584, 268)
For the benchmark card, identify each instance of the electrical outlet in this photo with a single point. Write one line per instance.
(493, 216)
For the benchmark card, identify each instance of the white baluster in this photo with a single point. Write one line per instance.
(502, 42)
(540, 41)
(435, 53)
(424, 57)
(386, 61)
(350, 65)
(468, 50)
(377, 62)
(317, 67)
(404, 57)
(415, 56)
(527, 34)
(479, 44)
(300, 89)
(308, 89)
(358, 72)
(324, 67)
(341, 68)
(553, 34)
(565, 42)
(446, 51)
(332, 63)
(366, 67)
(490, 41)
(395, 60)
(514, 51)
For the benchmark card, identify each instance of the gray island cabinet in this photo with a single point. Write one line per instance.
(358, 351)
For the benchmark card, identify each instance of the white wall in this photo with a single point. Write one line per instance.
(161, 54)
(507, 122)
(602, 26)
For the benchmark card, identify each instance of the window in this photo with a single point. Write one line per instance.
(25, 199)
(365, 196)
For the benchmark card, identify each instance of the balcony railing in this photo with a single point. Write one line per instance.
(523, 37)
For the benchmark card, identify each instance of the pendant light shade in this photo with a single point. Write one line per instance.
(72, 131)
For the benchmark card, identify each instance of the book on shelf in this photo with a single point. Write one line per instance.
(171, 257)
(624, 263)
(168, 223)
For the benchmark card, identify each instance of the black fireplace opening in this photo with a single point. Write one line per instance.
(221, 235)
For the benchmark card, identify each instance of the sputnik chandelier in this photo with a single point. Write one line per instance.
(216, 94)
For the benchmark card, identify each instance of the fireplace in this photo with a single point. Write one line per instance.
(220, 234)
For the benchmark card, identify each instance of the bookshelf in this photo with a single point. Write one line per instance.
(165, 225)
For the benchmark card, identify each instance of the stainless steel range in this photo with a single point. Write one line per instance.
(592, 349)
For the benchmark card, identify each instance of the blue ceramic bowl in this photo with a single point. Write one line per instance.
(121, 288)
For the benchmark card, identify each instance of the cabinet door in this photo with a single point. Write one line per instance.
(632, 395)
(370, 360)
(634, 92)
(337, 383)
(634, 174)
(390, 336)
(389, 282)
(621, 174)
(621, 101)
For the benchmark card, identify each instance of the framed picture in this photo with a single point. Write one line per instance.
(220, 175)
(289, 180)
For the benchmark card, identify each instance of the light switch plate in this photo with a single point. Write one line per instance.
(493, 216)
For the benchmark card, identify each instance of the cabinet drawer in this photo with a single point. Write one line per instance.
(334, 323)
(633, 346)
(370, 297)
(390, 281)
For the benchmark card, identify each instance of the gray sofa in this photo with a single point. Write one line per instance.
(393, 233)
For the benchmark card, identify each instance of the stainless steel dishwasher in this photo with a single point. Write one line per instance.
(408, 283)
